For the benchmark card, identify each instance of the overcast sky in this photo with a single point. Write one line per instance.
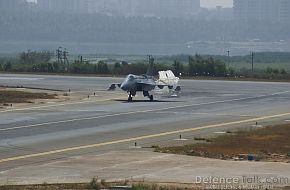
(209, 3)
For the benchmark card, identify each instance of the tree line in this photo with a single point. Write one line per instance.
(259, 57)
(193, 66)
(43, 61)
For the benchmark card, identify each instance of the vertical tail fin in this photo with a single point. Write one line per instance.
(150, 66)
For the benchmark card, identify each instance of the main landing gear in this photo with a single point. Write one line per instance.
(146, 94)
(151, 98)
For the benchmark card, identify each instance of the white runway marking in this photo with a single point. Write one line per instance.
(220, 132)
(181, 139)
(125, 113)
(57, 105)
(257, 126)
(20, 78)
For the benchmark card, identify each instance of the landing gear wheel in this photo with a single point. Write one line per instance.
(130, 99)
(151, 98)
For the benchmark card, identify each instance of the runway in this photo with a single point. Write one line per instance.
(106, 122)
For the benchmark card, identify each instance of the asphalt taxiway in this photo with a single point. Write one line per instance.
(42, 133)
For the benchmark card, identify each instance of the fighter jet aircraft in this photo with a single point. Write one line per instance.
(143, 83)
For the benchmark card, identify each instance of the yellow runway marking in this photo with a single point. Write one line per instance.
(140, 138)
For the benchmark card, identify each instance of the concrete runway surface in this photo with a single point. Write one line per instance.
(47, 133)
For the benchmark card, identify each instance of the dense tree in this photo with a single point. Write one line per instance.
(177, 67)
(283, 72)
(32, 57)
(7, 66)
(197, 66)
(102, 68)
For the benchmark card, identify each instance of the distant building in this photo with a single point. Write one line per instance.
(11, 4)
(270, 10)
(155, 8)
(284, 14)
(165, 8)
(68, 6)
(219, 13)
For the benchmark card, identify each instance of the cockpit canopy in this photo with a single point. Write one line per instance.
(130, 77)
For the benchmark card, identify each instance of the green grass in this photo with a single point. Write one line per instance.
(260, 66)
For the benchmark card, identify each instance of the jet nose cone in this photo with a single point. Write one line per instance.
(124, 86)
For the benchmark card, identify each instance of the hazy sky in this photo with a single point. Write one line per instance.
(214, 3)
(209, 3)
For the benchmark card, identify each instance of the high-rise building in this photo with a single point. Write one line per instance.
(284, 13)
(156, 8)
(165, 8)
(71, 6)
(268, 10)
(11, 4)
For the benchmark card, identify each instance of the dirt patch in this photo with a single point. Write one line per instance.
(102, 185)
(113, 186)
(271, 143)
(13, 96)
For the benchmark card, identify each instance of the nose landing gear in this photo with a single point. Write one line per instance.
(130, 98)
